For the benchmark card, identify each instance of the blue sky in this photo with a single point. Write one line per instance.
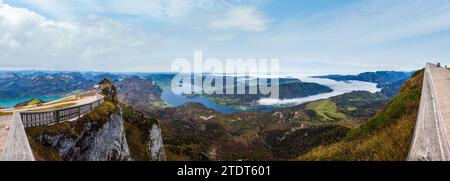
(308, 36)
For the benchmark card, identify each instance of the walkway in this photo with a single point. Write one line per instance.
(430, 141)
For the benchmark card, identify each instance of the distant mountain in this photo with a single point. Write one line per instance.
(109, 76)
(163, 80)
(14, 85)
(381, 77)
(294, 88)
(138, 92)
(288, 88)
(24, 84)
(389, 81)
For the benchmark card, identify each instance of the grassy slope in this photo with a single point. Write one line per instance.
(6, 113)
(326, 109)
(33, 102)
(386, 136)
(56, 107)
(137, 128)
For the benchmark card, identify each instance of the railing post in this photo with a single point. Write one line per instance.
(23, 119)
(57, 116)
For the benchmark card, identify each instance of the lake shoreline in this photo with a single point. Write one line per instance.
(10, 103)
(338, 87)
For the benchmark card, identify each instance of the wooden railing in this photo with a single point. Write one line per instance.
(42, 118)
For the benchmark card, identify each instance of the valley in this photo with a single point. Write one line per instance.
(194, 132)
(218, 127)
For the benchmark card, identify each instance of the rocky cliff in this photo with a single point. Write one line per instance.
(144, 136)
(94, 143)
(107, 133)
(156, 144)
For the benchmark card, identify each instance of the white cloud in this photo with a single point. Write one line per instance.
(63, 10)
(158, 10)
(155, 9)
(165, 10)
(95, 42)
(221, 37)
(373, 33)
(242, 18)
(28, 39)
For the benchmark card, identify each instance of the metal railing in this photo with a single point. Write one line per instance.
(17, 147)
(42, 118)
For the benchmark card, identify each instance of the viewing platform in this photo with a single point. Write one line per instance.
(14, 145)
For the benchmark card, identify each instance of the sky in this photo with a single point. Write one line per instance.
(308, 37)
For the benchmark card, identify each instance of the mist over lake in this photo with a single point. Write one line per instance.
(339, 88)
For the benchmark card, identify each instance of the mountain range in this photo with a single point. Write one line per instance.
(193, 131)
(389, 81)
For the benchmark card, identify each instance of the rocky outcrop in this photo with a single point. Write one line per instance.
(155, 144)
(144, 136)
(109, 90)
(107, 143)
(95, 142)
(61, 142)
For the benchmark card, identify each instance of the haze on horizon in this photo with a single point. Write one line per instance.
(309, 37)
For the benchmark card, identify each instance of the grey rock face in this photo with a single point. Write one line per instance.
(62, 142)
(107, 143)
(103, 142)
(95, 143)
(156, 144)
